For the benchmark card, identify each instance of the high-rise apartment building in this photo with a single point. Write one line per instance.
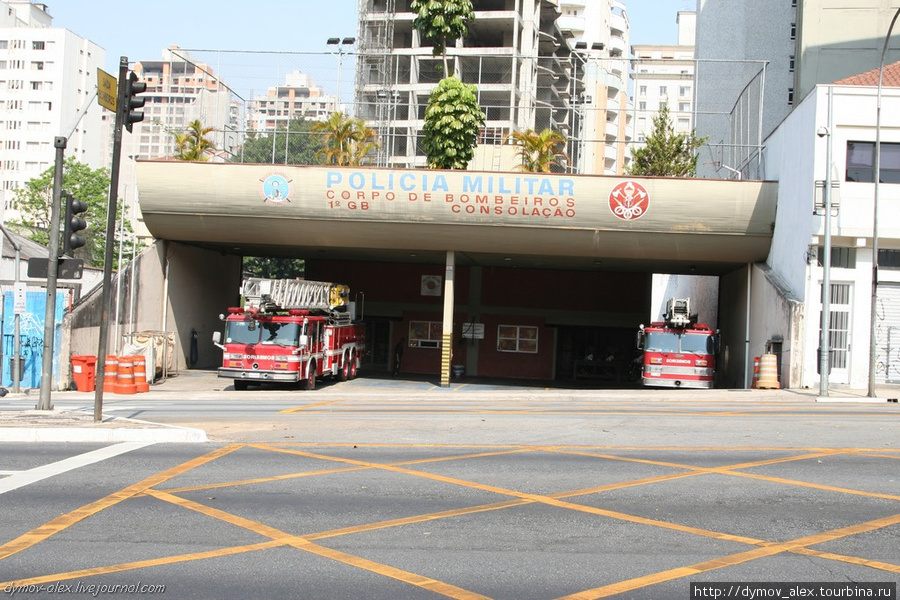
(299, 97)
(536, 63)
(663, 75)
(47, 74)
(181, 89)
(773, 55)
(598, 32)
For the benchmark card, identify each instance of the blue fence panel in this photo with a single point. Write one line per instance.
(31, 338)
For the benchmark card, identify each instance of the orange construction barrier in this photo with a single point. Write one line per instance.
(768, 372)
(755, 383)
(125, 380)
(140, 372)
(110, 373)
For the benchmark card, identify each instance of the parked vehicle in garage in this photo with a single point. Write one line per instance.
(678, 352)
(290, 331)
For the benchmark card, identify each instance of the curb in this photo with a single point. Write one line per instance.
(41, 428)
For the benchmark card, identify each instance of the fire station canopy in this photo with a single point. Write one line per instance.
(540, 220)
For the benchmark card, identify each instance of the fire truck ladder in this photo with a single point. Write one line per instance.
(285, 294)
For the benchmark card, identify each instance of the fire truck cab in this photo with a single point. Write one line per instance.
(290, 331)
(678, 352)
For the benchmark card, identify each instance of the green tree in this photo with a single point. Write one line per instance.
(666, 153)
(345, 141)
(33, 202)
(453, 117)
(193, 143)
(540, 152)
(442, 20)
(452, 121)
(274, 267)
(302, 145)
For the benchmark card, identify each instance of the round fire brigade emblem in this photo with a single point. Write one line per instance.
(276, 189)
(629, 201)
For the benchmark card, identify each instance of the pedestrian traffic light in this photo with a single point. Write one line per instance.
(73, 224)
(133, 87)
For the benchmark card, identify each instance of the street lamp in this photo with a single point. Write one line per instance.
(825, 324)
(340, 43)
(877, 177)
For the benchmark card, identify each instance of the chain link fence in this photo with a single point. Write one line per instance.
(588, 99)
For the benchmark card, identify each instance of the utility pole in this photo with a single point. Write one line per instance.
(126, 102)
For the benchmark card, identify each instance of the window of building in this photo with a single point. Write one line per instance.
(517, 338)
(663, 90)
(643, 90)
(684, 107)
(662, 104)
(37, 65)
(425, 334)
(790, 96)
(861, 162)
(792, 63)
(37, 45)
(642, 106)
(793, 31)
(4, 44)
(841, 258)
(889, 259)
(684, 91)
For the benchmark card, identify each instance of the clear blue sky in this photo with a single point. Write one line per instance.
(273, 25)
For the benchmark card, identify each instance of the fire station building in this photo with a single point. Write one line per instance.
(507, 275)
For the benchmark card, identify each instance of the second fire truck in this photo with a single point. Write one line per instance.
(290, 331)
(678, 352)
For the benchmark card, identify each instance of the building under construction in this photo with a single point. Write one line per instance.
(533, 66)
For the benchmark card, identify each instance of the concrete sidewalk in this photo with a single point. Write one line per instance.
(29, 425)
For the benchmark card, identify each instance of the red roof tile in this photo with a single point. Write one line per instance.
(890, 78)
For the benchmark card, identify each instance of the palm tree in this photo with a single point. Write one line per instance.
(347, 140)
(193, 143)
(540, 151)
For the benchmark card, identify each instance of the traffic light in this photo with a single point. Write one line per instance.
(74, 223)
(133, 87)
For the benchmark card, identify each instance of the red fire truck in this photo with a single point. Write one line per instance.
(678, 352)
(290, 331)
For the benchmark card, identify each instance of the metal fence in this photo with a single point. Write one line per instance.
(726, 104)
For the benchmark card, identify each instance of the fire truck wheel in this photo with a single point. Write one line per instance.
(310, 383)
(240, 386)
(344, 374)
(352, 373)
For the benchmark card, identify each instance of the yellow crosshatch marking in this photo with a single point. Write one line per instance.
(757, 548)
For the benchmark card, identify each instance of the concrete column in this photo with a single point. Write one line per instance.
(447, 334)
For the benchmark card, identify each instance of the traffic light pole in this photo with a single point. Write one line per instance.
(122, 110)
(44, 402)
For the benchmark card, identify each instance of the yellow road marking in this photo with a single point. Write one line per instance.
(732, 560)
(142, 564)
(297, 409)
(65, 521)
(544, 499)
(303, 543)
(853, 560)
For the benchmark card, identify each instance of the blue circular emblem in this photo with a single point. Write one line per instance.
(276, 189)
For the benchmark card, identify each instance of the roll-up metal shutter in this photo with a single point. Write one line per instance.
(887, 334)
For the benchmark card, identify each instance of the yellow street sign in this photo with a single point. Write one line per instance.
(107, 90)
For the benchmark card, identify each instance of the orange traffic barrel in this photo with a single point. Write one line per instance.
(110, 373)
(125, 380)
(768, 373)
(139, 362)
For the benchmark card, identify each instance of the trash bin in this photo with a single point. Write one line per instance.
(84, 370)
(458, 371)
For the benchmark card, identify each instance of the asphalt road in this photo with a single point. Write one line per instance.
(514, 494)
